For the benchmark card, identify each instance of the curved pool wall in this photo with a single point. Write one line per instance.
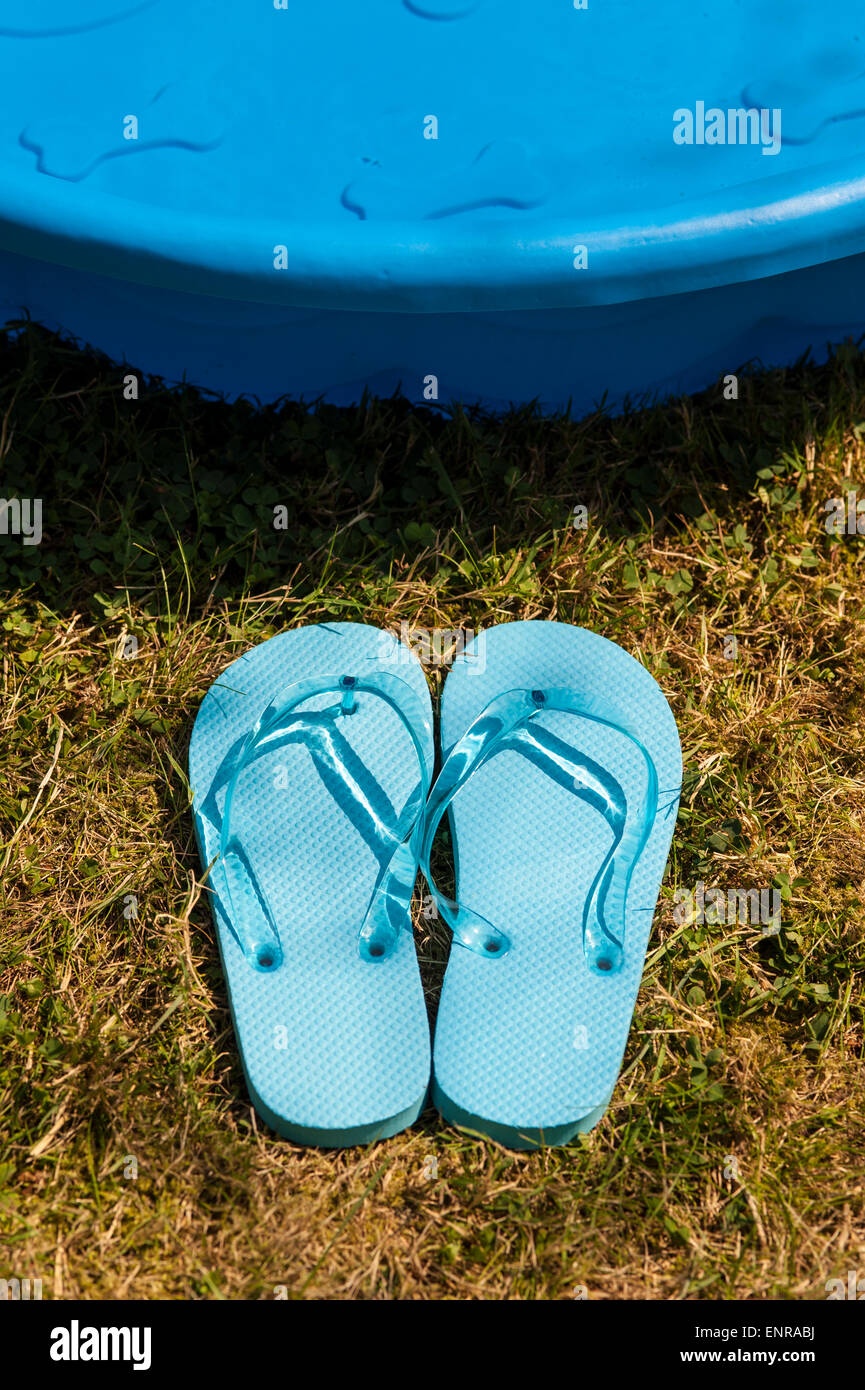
(490, 201)
(562, 358)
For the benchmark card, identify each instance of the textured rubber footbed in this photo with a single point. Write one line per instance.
(335, 1050)
(534, 1041)
(431, 155)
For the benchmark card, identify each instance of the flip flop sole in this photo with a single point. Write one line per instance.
(335, 1050)
(528, 1047)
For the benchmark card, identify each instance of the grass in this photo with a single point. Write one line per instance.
(730, 1163)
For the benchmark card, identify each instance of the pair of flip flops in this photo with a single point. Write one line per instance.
(312, 763)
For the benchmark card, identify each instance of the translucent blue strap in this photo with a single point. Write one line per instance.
(506, 722)
(396, 843)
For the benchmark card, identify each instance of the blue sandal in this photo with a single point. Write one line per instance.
(561, 778)
(310, 763)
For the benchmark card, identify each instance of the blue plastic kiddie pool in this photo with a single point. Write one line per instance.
(486, 200)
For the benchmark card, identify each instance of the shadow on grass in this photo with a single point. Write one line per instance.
(159, 520)
(176, 492)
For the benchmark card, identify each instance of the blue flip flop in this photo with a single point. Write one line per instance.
(561, 777)
(310, 763)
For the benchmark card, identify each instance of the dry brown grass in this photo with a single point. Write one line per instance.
(730, 1163)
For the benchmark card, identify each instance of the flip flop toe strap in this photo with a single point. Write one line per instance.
(394, 839)
(510, 721)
